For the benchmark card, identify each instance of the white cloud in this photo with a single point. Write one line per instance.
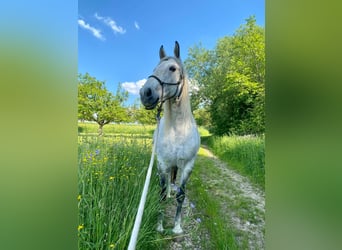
(111, 23)
(136, 25)
(133, 87)
(96, 32)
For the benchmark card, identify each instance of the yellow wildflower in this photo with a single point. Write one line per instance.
(79, 197)
(80, 227)
(111, 178)
(111, 245)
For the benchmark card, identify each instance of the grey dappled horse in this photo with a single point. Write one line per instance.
(178, 138)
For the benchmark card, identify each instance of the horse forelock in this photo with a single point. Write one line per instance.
(167, 58)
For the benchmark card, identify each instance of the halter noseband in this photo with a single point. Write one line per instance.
(162, 95)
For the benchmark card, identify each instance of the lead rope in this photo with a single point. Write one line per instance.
(138, 218)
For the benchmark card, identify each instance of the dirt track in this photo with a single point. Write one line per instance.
(248, 222)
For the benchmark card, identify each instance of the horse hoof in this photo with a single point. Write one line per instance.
(160, 229)
(177, 230)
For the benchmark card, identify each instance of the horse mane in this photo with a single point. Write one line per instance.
(184, 99)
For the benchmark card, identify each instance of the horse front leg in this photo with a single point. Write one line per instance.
(163, 185)
(180, 196)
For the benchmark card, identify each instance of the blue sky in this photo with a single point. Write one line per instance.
(118, 41)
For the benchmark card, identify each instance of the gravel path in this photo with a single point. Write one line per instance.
(249, 226)
(254, 197)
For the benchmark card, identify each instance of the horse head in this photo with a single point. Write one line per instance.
(166, 82)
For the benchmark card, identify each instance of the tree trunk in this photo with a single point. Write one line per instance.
(100, 130)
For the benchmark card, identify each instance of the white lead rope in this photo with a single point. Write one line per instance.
(138, 218)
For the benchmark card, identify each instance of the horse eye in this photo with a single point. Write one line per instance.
(172, 68)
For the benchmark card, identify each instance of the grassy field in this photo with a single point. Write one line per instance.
(112, 171)
(111, 176)
(124, 129)
(116, 129)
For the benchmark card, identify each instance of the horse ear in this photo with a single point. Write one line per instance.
(162, 53)
(177, 50)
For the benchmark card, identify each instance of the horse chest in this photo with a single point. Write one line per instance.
(174, 147)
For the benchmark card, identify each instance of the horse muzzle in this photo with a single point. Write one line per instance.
(148, 98)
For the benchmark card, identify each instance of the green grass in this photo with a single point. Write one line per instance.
(111, 177)
(244, 153)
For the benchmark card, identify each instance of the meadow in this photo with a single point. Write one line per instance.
(111, 176)
(116, 129)
(112, 170)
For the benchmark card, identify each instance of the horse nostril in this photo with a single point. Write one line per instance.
(148, 92)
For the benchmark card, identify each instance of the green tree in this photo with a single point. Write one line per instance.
(202, 117)
(231, 80)
(96, 103)
(141, 115)
(199, 65)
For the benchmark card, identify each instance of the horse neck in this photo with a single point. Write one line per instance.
(178, 112)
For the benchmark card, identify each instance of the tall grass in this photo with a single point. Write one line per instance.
(111, 178)
(244, 153)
